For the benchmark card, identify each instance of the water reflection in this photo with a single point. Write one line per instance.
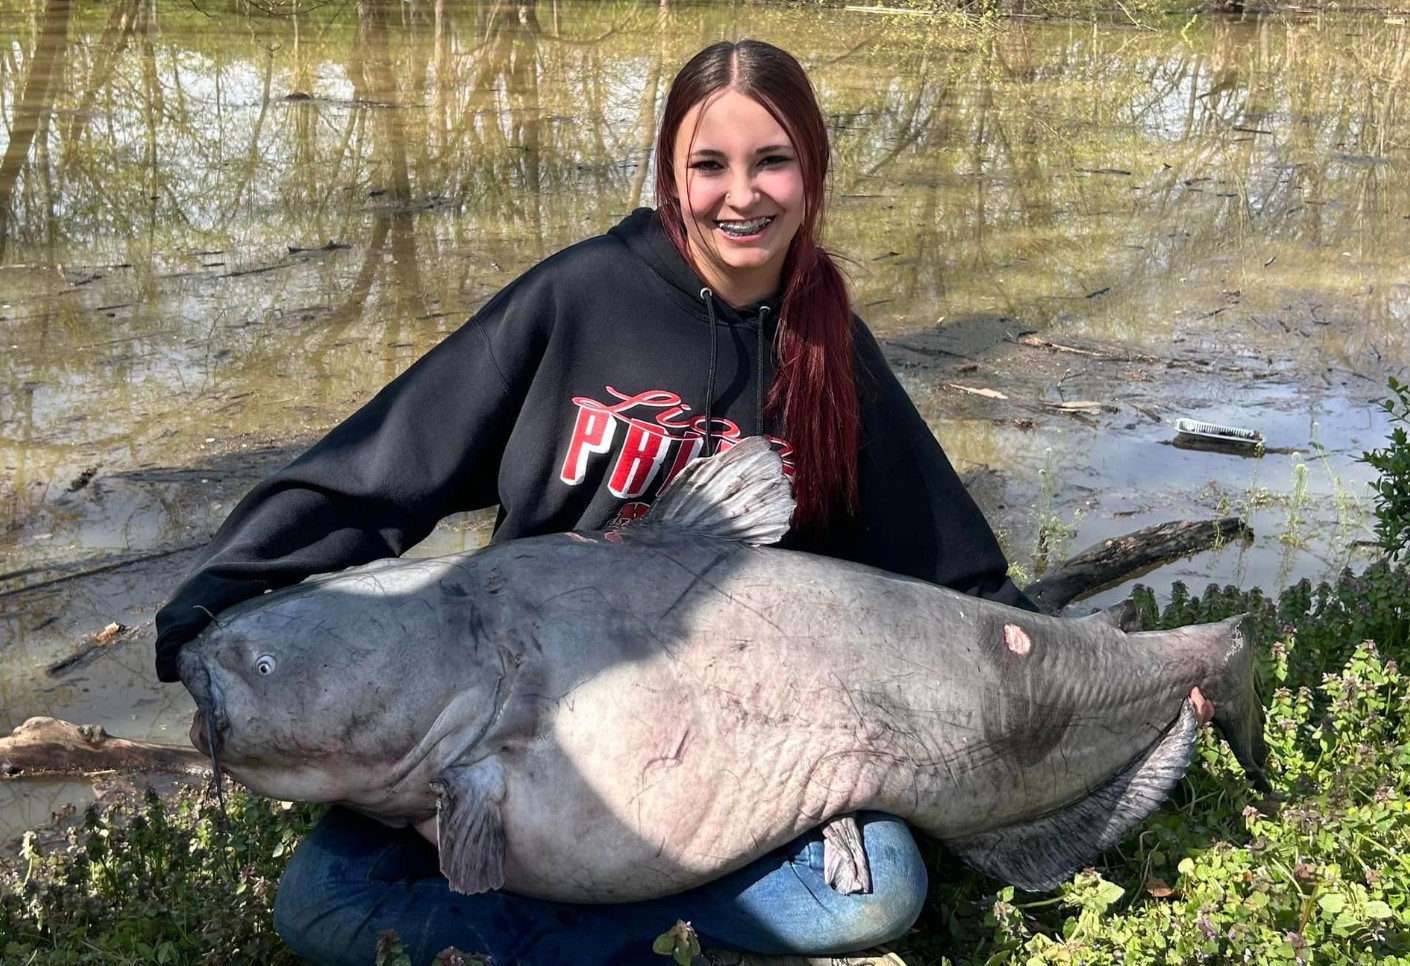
(222, 228)
(33, 108)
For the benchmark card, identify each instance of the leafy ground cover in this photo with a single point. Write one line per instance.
(165, 880)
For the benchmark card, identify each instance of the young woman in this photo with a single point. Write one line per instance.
(569, 400)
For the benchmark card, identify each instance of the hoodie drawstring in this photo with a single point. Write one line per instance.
(708, 297)
(759, 371)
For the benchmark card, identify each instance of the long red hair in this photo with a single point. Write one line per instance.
(814, 395)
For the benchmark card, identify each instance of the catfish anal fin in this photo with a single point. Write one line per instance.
(1040, 854)
(469, 829)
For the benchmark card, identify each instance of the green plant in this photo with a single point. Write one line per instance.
(160, 881)
(1392, 488)
(1293, 535)
(1350, 513)
(679, 943)
(391, 952)
(1054, 535)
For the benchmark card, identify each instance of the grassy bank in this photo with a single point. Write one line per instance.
(1319, 872)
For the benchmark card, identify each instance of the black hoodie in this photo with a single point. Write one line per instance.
(569, 399)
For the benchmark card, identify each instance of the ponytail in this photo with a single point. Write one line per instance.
(814, 395)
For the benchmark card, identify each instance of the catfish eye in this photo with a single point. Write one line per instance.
(264, 664)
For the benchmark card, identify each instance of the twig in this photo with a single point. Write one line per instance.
(101, 568)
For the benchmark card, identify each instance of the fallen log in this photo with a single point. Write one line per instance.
(1130, 555)
(51, 747)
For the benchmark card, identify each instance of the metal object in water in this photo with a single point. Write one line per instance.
(1197, 434)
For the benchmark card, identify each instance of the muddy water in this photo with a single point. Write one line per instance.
(224, 227)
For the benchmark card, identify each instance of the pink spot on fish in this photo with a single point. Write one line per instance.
(1017, 640)
(579, 538)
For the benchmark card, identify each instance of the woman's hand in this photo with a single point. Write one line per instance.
(1204, 708)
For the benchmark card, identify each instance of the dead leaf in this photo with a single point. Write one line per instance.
(986, 393)
(110, 633)
(1158, 888)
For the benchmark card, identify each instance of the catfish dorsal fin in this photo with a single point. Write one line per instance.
(739, 494)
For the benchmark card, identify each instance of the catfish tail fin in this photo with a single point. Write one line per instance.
(1238, 712)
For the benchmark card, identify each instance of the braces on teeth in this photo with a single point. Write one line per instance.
(744, 227)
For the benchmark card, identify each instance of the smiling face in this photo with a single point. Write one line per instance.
(741, 194)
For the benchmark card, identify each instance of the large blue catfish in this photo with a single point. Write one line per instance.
(611, 716)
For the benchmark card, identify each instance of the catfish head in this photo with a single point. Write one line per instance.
(329, 692)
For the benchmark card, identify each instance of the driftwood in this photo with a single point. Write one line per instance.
(1120, 558)
(52, 747)
(99, 642)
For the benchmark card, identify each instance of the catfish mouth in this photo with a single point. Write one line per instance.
(209, 725)
(208, 733)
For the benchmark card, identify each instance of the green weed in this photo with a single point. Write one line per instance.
(1055, 534)
(391, 952)
(167, 881)
(1392, 489)
(1351, 515)
(1293, 535)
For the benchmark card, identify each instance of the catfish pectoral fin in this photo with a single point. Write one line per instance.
(469, 828)
(1040, 854)
(844, 862)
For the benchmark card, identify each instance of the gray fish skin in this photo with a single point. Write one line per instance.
(610, 717)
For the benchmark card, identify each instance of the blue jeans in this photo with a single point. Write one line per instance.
(353, 877)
